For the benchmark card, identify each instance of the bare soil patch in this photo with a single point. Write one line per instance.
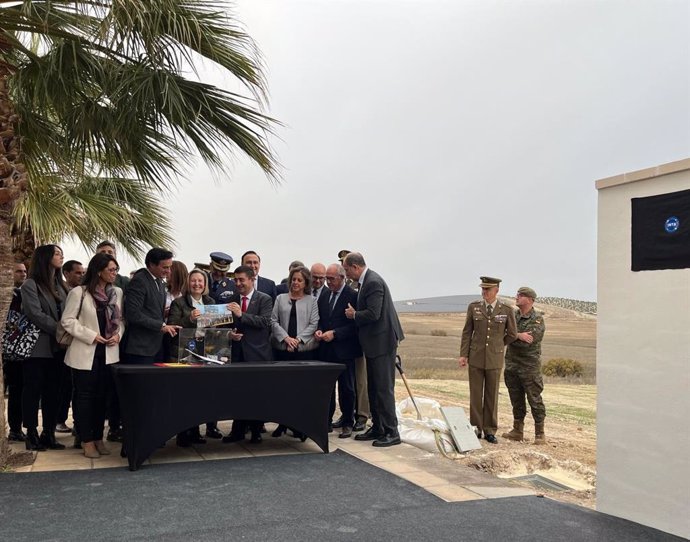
(569, 457)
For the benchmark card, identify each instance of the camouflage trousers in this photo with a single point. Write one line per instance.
(525, 385)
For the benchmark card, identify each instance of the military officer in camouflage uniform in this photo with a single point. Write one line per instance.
(522, 374)
(489, 327)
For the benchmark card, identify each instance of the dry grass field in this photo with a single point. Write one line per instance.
(430, 353)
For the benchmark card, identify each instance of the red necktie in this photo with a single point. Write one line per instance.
(244, 304)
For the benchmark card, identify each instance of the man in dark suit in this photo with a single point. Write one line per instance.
(252, 311)
(379, 333)
(337, 335)
(145, 309)
(253, 260)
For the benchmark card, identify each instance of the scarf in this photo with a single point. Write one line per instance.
(106, 301)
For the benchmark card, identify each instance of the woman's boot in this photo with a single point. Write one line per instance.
(48, 440)
(33, 442)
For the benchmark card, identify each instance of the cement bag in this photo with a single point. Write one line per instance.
(420, 433)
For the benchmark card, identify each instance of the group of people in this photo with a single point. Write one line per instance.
(87, 320)
(493, 331)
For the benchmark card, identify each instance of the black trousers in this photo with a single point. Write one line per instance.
(14, 382)
(346, 394)
(64, 394)
(381, 381)
(41, 383)
(90, 398)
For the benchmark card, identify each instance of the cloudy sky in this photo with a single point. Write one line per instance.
(447, 139)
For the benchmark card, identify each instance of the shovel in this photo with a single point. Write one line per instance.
(398, 364)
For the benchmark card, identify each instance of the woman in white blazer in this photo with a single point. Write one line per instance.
(93, 316)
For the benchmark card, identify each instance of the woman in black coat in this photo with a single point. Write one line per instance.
(43, 298)
(184, 311)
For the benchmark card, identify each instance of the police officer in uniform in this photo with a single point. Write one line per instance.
(522, 374)
(221, 286)
(489, 327)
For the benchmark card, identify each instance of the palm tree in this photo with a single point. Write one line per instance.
(101, 106)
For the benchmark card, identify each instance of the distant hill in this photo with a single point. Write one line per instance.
(458, 303)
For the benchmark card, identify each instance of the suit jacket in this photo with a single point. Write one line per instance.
(84, 330)
(255, 324)
(377, 321)
(484, 338)
(144, 311)
(42, 309)
(282, 288)
(307, 320)
(267, 286)
(345, 346)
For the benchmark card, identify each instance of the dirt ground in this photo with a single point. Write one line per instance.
(569, 457)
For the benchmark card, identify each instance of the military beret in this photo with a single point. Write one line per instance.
(489, 282)
(342, 254)
(527, 291)
(220, 261)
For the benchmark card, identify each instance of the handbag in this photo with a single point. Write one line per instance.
(62, 336)
(19, 336)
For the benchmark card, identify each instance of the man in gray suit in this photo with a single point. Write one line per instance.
(379, 332)
(145, 309)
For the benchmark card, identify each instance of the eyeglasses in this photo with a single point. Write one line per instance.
(112, 269)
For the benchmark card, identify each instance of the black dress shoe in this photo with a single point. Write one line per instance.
(197, 439)
(279, 432)
(491, 438)
(16, 436)
(478, 433)
(263, 428)
(48, 440)
(114, 435)
(338, 423)
(346, 432)
(387, 440)
(256, 438)
(369, 434)
(233, 437)
(212, 432)
(359, 426)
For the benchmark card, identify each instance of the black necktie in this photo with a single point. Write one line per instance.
(292, 323)
(489, 310)
(331, 303)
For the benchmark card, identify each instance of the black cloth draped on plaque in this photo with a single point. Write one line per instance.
(661, 232)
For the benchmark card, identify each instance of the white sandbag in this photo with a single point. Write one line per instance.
(420, 433)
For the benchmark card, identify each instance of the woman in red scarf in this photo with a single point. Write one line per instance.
(93, 316)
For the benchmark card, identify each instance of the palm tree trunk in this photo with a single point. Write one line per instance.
(12, 184)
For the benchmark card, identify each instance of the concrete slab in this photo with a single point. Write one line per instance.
(500, 492)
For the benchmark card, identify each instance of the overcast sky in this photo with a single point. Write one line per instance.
(447, 139)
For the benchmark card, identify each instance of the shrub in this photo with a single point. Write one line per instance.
(562, 367)
(439, 333)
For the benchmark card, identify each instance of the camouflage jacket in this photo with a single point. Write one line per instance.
(521, 355)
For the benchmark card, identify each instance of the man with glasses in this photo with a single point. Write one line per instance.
(522, 374)
(337, 336)
(145, 309)
(318, 280)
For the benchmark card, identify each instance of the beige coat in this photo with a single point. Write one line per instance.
(84, 330)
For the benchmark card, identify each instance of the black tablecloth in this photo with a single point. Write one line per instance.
(158, 402)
